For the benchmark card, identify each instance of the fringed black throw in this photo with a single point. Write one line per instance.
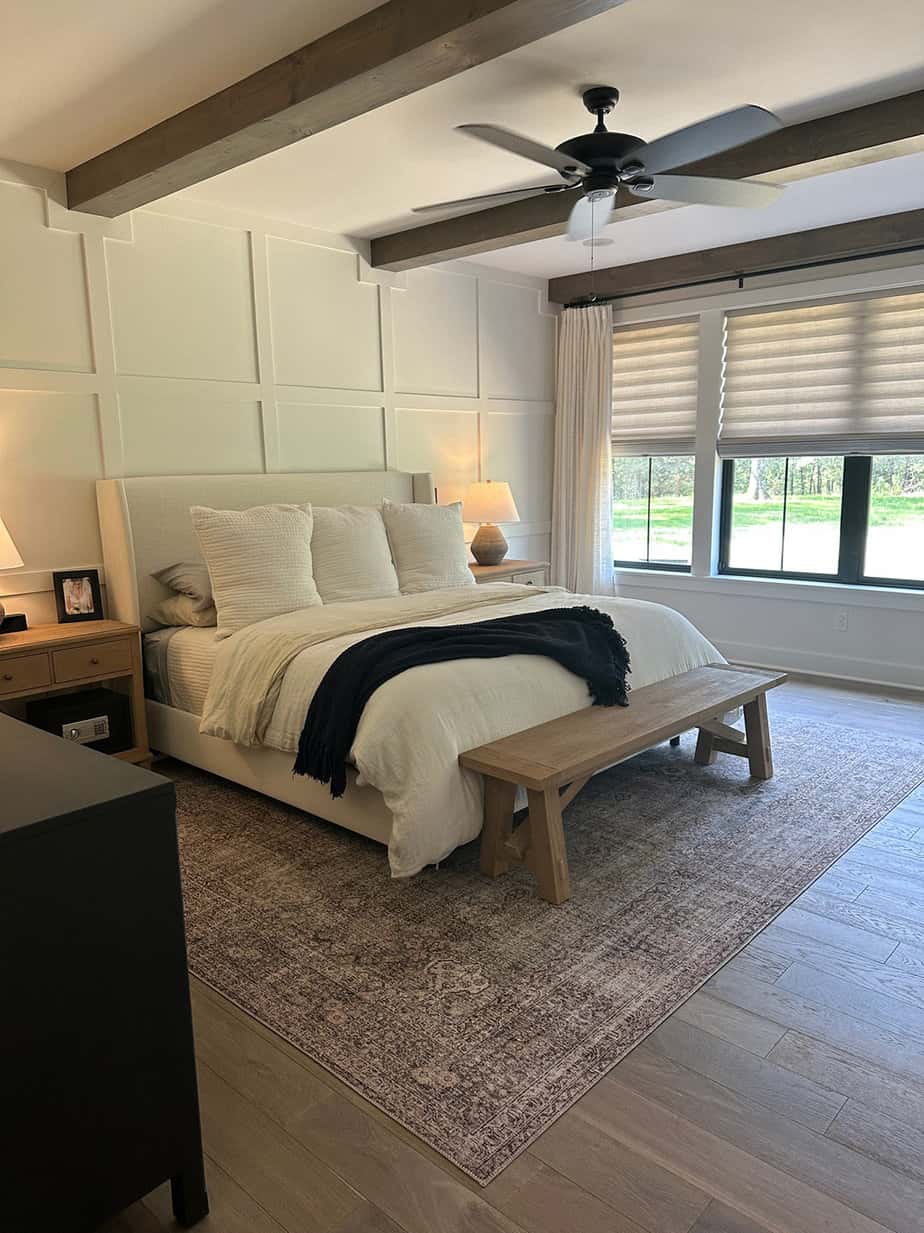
(582, 640)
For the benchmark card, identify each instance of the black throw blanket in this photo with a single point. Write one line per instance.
(582, 640)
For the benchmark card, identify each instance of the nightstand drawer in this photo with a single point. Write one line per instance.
(96, 659)
(23, 672)
(530, 578)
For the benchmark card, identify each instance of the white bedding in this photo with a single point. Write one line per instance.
(190, 658)
(415, 726)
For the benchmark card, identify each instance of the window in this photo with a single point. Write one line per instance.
(653, 511)
(785, 515)
(895, 528)
(822, 441)
(655, 384)
(850, 520)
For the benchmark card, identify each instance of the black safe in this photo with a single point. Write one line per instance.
(100, 718)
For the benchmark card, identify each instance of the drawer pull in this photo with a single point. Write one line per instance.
(94, 660)
(8, 676)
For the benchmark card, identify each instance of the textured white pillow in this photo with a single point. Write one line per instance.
(427, 546)
(259, 561)
(350, 554)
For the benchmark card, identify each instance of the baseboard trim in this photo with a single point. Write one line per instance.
(815, 663)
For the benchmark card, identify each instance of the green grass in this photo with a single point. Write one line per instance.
(676, 513)
(896, 531)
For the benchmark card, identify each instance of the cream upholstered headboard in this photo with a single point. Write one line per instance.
(145, 523)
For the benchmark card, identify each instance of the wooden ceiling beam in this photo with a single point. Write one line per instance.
(390, 52)
(847, 138)
(865, 237)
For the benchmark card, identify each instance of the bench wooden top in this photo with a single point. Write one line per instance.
(576, 745)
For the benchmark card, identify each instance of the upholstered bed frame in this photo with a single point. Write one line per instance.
(145, 526)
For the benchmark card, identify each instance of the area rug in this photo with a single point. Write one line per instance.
(469, 1010)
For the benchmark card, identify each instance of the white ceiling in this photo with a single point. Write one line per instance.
(78, 78)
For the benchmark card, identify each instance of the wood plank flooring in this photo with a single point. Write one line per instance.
(787, 1096)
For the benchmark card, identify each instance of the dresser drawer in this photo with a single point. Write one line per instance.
(530, 578)
(23, 672)
(94, 659)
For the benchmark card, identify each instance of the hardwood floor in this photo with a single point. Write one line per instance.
(787, 1096)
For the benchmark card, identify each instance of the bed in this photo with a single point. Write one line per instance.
(405, 786)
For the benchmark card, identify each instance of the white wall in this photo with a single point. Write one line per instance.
(183, 340)
(778, 623)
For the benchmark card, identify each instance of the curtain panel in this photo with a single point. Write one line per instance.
(582, 501)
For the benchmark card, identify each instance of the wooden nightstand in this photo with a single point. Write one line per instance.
(528, 573)
(55, 659)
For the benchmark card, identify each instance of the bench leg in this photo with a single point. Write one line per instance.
(548, 857)
(705, 751)
(757, 728)
(497, 830)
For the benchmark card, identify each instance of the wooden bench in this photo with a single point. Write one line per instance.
(554, 760)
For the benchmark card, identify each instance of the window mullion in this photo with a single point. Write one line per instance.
(854, 518)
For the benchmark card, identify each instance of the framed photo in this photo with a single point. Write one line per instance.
(77, 595)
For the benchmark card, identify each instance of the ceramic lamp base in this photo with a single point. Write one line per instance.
(489, 546)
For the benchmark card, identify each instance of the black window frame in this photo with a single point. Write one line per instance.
(673, 567)
(855, 507)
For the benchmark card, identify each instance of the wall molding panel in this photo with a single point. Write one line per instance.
(183, 339)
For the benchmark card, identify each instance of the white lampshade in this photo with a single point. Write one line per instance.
(489, 501)
(9, 556)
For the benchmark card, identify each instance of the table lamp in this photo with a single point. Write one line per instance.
(489, 502)
(9, 559)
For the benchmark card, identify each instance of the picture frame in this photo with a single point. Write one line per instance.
(77, 595)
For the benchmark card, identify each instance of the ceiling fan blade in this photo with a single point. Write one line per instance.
(705, 190)
(526, 148)
(589, 216)
(513, 194)
(707, 137)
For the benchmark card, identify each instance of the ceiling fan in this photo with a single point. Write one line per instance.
(597, 164)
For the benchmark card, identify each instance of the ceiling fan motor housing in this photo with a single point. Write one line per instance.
(605, 153)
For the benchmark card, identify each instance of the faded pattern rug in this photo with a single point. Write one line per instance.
(469, 1010)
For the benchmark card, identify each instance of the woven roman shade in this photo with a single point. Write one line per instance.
(835, 378)
(654, 387)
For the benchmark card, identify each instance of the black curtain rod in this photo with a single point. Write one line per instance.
(587, 301)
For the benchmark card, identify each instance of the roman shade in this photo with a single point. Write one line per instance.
(654, 387)
(840, 377)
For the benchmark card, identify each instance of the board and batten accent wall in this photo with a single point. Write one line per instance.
(184, 340)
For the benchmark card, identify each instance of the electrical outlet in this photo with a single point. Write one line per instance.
(840, 621)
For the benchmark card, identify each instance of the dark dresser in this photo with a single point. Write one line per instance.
(97, 1074)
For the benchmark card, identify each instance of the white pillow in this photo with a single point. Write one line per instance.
(190, 578)
(350, 554)
(183, 610)
(427, 546)
(259, 561)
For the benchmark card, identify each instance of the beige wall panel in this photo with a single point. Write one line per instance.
(172, 434)
(519, 450)
(436, 334)
(44, 317)
(518, 343)
(182, 300)
(325, 322)
(324, 438)
(51, 458)
(528, 547)
(443, 442)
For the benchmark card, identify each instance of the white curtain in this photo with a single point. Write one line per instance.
(582, 502)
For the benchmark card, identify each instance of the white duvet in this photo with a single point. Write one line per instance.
(415, 726)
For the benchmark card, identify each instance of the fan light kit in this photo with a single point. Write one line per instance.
(597, 164)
